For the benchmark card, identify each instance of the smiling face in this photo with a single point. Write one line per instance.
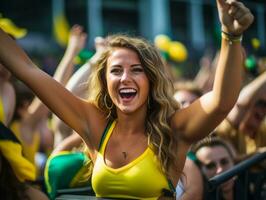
(127, 82)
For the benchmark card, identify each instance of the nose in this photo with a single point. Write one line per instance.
(125, 76)
(219, 169)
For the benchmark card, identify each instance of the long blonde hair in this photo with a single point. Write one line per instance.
(161, 104)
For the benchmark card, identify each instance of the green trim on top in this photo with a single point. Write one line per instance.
(104, 134)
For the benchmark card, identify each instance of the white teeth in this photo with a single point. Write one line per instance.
(128, 90)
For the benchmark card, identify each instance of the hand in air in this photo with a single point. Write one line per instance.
(234, 16)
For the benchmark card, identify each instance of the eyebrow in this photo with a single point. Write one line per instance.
(134, 65)
(212, 161)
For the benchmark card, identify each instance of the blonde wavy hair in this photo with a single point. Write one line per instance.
(161, 104)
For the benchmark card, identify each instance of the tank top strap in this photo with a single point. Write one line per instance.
(106, 134)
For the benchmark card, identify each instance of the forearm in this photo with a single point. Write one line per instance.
(54, 95)
(62, 75)
(13, 57)
(228, 75)
(66, 67)
(252, 91)
(76, 42)
(69, 143)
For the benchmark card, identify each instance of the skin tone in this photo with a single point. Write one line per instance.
(7, 94)
(250, 109)
(193, 182)
(34, 114)
(76, 84)
(126, 76)
(128, 87)
(253, 118)
(34, 193)
(214, 161)
(85, 118)
(185, 98)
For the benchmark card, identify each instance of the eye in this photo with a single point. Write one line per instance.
(210, 166)
(137, 69)
(116, 70)
(224, 161)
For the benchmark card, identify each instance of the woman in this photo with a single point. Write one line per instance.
(215, 156)
(136, 135)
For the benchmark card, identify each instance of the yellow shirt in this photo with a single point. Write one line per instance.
(140, 179)
(2, 111)
(29, 150)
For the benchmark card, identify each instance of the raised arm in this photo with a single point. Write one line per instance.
(76, 43)
(201, 117)
(77, 85)
(249, 95)
(74, 111)
(64, 70)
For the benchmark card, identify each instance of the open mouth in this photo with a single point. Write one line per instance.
(127, 93)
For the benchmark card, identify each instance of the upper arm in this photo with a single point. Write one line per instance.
(77, 113)
(193, 181)
(197, 120)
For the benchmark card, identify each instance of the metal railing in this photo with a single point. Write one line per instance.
(239, 169)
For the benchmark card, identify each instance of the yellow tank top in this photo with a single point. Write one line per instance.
(29, 150)
(2, 111)
(140, 179)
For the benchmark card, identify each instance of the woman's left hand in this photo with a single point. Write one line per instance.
(234, 16)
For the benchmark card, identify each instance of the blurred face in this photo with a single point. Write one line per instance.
(4, 73)
(185, 98)
(215, 160)
(252, 120)
(127, 83)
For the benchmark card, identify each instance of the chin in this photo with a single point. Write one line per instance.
(126, 109)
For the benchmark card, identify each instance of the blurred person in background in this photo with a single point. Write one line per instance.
(77, 84)
(214, 156)
(7, 96)
(32, 116)
(245, 126)
(7, 91)
(15, 170)
(186, 92)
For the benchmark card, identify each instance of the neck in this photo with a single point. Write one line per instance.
(133, 122)
(130, 126)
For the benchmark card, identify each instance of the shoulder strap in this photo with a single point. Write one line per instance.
(104, 133)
